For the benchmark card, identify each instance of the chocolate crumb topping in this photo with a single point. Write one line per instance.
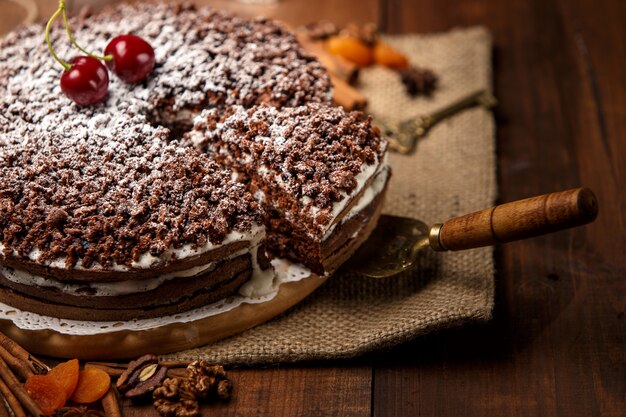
(313, 152)
(102, 185)
(80, 199)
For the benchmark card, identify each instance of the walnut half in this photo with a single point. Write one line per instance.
(176, 398)
(179, 396)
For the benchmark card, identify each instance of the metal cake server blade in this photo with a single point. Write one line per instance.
(391, 248)
(395, 244)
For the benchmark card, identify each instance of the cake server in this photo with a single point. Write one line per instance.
(396, 242)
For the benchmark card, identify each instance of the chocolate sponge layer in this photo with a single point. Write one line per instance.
(173, 289)
(197, 299)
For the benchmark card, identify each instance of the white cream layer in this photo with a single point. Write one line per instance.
(379, 171)
(369, 171)
(147, 261)
(100, 289)
(286, 271)
(260, 284)
(369, 194)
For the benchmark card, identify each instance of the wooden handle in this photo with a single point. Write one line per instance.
(519, 220)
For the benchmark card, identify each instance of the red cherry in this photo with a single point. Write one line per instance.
(87, 82)
(133, 57)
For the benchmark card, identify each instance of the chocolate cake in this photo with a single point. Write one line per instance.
(171, 194)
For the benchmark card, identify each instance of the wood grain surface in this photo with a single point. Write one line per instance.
(557, 343)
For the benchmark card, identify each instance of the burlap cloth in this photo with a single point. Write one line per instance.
(452, 173)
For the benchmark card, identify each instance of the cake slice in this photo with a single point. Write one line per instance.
(320, 173)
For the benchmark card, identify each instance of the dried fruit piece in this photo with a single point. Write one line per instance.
(66, 374)
(92, 384)
(46, 392)
(385, 55)
(146, 387)
(351, 49)
(130, 377)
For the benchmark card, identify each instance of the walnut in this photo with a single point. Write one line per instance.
(224, 390)
(207, 378)
(168, 389)
(183, 408)
(203, 368)
(179, 396)
(176, 397)
(203, 386)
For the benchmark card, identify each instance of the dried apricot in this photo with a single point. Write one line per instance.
(46, 392)
(93, 383)
(351, 49)
(67, 375)
(385, 55)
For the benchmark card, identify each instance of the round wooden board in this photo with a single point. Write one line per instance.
(169, 338)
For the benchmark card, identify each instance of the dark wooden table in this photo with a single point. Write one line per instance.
(557, 343)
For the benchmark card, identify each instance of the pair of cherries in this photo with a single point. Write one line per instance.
(85, 79)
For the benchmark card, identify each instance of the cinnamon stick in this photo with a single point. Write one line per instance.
(116, 365)
(4, 411)
(11, 400)
(177, 373)
(347, 96)
(16, 388)
(174, 364)
(18, 366)
(111, 404)
(112, 372)
(22, 354)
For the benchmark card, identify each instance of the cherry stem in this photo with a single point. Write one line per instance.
(63, 9)
(65, 65)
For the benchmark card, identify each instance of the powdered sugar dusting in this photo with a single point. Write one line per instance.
(105, 183)
(315, 155)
